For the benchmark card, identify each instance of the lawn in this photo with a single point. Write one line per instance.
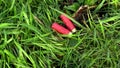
(28, 41)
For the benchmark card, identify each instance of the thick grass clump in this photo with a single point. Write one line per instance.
(27, 40)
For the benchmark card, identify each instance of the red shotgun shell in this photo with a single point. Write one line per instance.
(60, 29)
(68, 23)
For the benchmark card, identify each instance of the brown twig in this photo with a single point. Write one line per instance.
(36, 18)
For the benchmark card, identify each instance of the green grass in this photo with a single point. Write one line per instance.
(27, 40)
